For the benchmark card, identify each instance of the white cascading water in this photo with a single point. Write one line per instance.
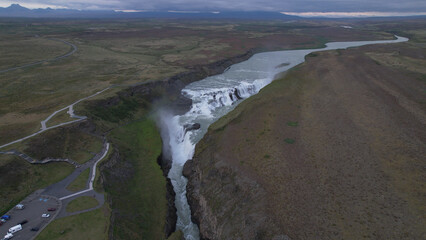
(215, 96)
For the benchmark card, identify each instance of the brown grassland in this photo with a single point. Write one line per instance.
(333, 150)
(123, 53)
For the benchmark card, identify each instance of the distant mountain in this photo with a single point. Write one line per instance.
(16, 10)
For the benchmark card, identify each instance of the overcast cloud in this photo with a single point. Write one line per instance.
(246, 5)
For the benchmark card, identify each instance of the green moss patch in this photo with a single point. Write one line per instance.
(292, 124)
(82, 203)
(141, 205)
(18, 178)
(91, 225)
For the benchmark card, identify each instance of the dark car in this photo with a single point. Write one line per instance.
(23, 221)
(51, 209)
(5, 217)
(35, 229)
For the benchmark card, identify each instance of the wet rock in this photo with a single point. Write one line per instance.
(181, 105)
(171, 217)
(187, 169)
(191, 127)
(237, 94)
(165, 163)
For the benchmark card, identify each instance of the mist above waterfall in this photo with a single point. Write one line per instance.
(212, 98)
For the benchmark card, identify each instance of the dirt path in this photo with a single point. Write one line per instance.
(74, 49)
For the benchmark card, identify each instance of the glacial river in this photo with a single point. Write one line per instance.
(215, 96)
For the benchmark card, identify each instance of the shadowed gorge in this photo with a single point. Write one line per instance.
(99, 139)
(332, 149)
(215, 96)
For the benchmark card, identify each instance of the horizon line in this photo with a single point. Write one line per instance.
(311, 14)
(365, 14)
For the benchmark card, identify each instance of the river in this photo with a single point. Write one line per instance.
(215, 96)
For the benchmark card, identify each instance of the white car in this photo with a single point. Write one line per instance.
(8, 236)
(20, 206)
(45, 215)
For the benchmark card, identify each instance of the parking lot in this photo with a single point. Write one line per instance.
(35, 206)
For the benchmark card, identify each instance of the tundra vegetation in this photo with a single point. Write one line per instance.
(353, 165)
(82, 203)
(126, 55)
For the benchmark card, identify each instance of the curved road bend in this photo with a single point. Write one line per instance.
(39, 201)
(74, 49)
(43, 123)
(59, 191)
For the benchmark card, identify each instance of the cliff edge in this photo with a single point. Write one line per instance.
(333, 150)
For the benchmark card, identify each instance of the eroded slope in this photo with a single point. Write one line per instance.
(334, 150)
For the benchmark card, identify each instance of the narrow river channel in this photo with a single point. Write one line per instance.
(215, 96)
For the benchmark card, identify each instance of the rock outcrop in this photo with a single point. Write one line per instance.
(192, 127)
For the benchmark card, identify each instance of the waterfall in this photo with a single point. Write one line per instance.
(215, 96)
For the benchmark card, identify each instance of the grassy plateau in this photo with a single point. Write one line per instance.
(122, 54)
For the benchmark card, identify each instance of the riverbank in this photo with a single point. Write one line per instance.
(325, 152)
(124, 118)
(215, 96)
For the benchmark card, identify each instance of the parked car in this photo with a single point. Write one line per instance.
(8, 236)
(23, 221)
(45, 215)
(5, 217)
(51, 209)
(15, 229)
(20, 206)
(35, 229)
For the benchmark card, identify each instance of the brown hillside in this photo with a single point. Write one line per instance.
(334, 150)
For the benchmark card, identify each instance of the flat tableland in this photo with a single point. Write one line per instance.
(124, 52)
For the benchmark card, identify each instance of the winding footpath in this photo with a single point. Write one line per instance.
(92, 177)
(69, 107)
(70, 112)
(58, 190)
(73, 50)
(41, 161)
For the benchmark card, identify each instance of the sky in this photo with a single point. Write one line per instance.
(307, 7)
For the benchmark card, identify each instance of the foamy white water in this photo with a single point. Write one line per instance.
(215, 96)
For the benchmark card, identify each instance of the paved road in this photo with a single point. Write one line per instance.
(74, 49)
(59, 190)
(54, 196)
(70, 112)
